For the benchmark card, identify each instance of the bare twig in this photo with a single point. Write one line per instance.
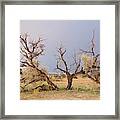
(31, 53)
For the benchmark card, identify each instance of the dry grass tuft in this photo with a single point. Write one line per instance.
(83, 89)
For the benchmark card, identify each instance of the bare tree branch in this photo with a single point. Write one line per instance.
(26, 63)
(77, 63)
(84, 51)
(30, 51)
(93, 44)
(94, 60)
(62, 52)
(24, 53)
(24, 41)
(77, 68)
(60, 68)
(67, 71)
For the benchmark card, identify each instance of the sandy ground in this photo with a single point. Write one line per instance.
(83, 89)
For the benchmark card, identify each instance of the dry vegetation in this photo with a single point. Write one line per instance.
(83, 88)
(76, 81)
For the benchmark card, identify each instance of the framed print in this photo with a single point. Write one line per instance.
(59, 60)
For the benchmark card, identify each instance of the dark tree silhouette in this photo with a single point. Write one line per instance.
(94, 66)
(66, 69)
(30, 51)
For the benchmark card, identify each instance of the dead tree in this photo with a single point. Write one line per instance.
(94, 56)
(30, 51)
(65, 69)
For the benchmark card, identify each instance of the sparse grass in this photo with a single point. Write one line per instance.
(83, 88)
(88, 90)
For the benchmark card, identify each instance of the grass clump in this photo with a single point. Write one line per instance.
(86, 89)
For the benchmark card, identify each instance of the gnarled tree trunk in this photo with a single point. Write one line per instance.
(48, 79)
(70, 79)
(66, 69)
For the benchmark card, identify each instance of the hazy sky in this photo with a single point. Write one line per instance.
(73, 34)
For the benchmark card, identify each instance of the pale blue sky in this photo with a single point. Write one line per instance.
(73, 34)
